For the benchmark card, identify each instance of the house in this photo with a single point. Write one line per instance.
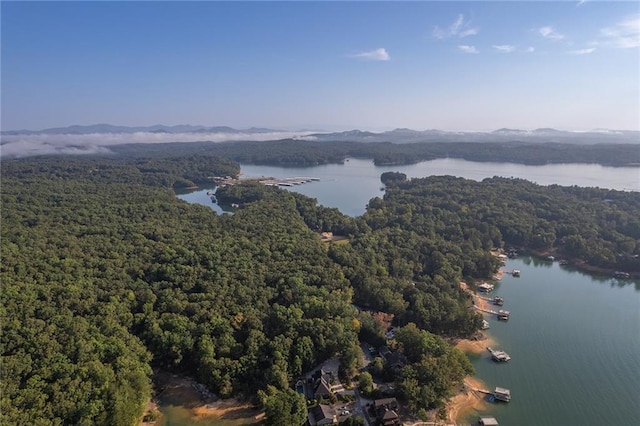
(322, 383)
(384, 352)
(386, 411)
(326, 236)
(321, 388)
(396, 360)
(322, 414)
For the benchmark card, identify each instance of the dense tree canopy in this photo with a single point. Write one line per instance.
(105, 274)
(290, 152)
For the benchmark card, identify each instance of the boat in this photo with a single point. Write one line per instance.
(502, 394)
(485, 325)
(499, 356)
(515, 272)
(498, 301)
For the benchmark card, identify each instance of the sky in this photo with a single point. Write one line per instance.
(457, 66)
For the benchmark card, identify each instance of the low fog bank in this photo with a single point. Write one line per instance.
(98, 143)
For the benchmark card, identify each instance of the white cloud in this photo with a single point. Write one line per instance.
(625, 34)
(460, 28)
(550, 33)
(468, 49)
(506, 48)
(380, 54)
(530, 49)
(582, 51)
(41, 144)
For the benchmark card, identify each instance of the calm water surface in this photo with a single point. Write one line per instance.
(351, 185)
(574, 339)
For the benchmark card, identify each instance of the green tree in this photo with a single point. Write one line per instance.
(283, 407)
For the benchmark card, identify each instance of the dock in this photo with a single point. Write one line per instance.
(496, 300)
(499, 394)
(290, 181)
(501, 314)
(499, 356)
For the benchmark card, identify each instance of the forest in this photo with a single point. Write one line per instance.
(290, 152)
(106, 275)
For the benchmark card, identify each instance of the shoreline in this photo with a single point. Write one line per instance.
(466, 400)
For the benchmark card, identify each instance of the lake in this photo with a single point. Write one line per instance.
(575, 348)
(351, 185)
(574, 338)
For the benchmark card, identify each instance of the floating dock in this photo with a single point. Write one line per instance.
(499, 394)
(290, 181)
(499, 356)
(501, 314)
(496, 300)
(485, 287)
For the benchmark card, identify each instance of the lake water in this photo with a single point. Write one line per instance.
(351, 185)
(574, 338)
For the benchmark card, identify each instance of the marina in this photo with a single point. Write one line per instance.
(290, 181)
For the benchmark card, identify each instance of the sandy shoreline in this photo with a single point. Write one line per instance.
(461, 405)
(467, 400)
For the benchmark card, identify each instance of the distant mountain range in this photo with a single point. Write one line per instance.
(543, 135)
(402, 135)
(158, 128)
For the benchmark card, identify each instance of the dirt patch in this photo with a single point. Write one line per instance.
(474, 346)
(228, 409)
(186, 400)
(466, 401)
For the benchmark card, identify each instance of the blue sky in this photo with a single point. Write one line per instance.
(324, 65)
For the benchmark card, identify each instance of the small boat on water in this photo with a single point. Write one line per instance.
(499, 356)
(515, 272)
(498, 301)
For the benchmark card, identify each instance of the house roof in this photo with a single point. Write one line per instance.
(389, 415)
(322, 411)
(385, 401)
(322, 387)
